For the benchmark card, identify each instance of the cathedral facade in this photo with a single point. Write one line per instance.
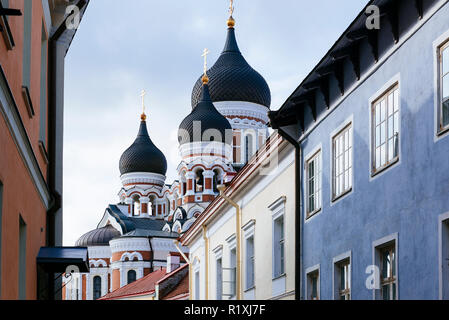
(137, 236)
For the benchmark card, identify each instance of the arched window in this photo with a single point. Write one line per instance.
(131, 276)
(218, 179)
(249, 147)
(199, 181)
(152, 206)
(136, 206)
(97, 287)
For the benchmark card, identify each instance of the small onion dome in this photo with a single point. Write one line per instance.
(143, 155)
(208, 116)
(98, 237)
(231, 78)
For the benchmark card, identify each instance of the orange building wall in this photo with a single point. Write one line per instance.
(20, 196)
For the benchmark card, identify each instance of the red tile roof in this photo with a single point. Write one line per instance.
(181, 291)
(139, 287)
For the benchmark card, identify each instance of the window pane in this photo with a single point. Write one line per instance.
(390, 104)
(377, 157)
(390, 127)
(390, 149)
(377, 136)
(446, 113)
(377, 112)
(445, 88)
(382, 110)
(445, 55)
(396, 100)
(382, 155)
(396, 122)
(382, 133)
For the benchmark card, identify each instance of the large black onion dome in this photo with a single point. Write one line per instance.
(98, 237)
(210, 119)
(231, 78)
(143, 155)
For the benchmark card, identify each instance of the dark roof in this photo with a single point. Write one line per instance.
(98, 237)
(209, 119)
(231, 78)
(143, 155)
(57, 259)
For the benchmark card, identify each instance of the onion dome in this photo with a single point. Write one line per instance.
(208, 116)
(231, 78)
(98, 237)
(143, 155)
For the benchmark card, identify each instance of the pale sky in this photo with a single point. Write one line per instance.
(157, 45)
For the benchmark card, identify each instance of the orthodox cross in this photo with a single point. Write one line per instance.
(205, 53)
(231, 8)
(142, 95)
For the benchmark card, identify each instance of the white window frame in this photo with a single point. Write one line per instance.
(249, 233)
(309, 272)
(218, 252)
(196, 275)
(348, 125)
(383, 96)
(444, 46)
(438, 44)
(278, 284)
(317, 157)
(378, 245)
(337, 262)
(232, 245)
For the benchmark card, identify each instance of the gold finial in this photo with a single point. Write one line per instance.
(205, 78)
(143, 117)
(231, 21)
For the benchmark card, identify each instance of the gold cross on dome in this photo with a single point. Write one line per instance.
(205, 53)
(231, 8)
(142, 95)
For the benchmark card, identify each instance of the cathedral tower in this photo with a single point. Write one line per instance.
(143, 167)
(241, 94)
(205, 139)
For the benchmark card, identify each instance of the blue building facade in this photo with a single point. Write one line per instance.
(371, 122)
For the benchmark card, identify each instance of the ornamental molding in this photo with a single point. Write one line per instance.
(129, 244)
(100, 252)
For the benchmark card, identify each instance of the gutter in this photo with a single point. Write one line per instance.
(298, 217)
(238, 222)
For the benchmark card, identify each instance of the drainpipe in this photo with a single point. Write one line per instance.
(206, 260)
(238, 217)
(298, 218)
(176, 242)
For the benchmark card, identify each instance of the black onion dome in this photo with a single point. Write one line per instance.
(231, 78)
(210, 119)
(143, 155)
(98, 237)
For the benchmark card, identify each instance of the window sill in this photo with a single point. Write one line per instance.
(279, 277)
(7, 34)
(27, 98)
(442, 131)
(344, 194)
(312, 214)
(250, 289)
(43, 151)
(385, 167)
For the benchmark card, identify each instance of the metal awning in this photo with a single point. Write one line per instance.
(57, 259)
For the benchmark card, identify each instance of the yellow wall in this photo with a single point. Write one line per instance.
(254, 207)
